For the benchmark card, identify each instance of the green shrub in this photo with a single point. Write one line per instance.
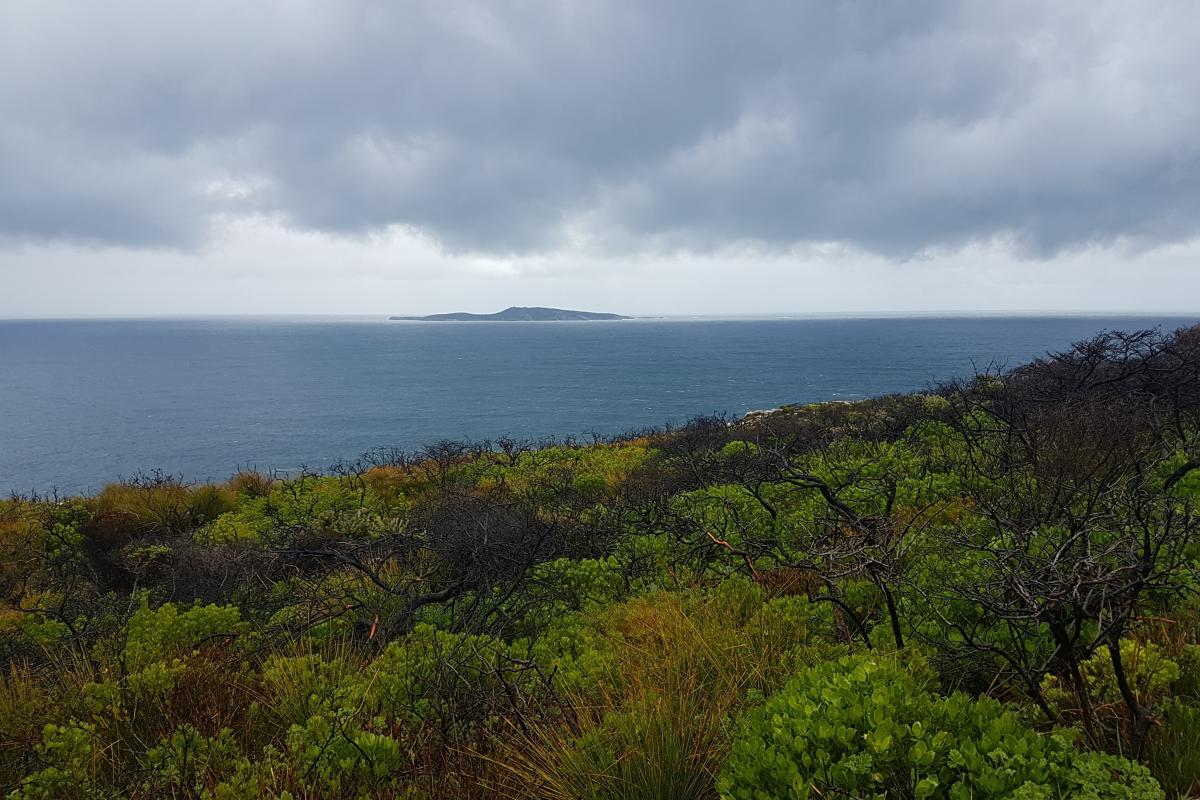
(234, 527)
(1148, 670)
(337, 757)
(868, 727)
(297, 687)
(165, 633)
(136, 673)
(567, 585)
(187, 761)
(1188, 683)
(259, 778)
(574, 651)
(66, 753)
(446, 681)
(450, 681)
(1150, 673)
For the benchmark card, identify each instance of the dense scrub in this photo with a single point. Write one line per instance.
(987, 590)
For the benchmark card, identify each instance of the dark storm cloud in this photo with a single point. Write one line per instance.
(615, 126)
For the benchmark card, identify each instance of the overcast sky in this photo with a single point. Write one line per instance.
(675, 156)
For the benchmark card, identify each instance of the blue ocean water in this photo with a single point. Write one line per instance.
(85, 402)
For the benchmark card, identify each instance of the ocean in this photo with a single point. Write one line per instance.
(83, 403)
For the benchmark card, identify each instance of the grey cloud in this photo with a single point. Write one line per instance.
(514, 128)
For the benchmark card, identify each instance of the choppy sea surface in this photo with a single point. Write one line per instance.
(86, 402)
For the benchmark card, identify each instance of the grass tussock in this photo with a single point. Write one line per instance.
(683, 667)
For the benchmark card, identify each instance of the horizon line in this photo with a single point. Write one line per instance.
(630, 317)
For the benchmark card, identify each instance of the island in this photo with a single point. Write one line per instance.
(519, 314)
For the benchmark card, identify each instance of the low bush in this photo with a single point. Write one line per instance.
(870, 727)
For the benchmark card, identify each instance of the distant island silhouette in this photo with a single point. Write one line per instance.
(519, 314)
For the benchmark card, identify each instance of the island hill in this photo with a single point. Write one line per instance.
(519, 314)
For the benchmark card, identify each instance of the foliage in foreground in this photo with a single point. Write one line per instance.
(866, 727)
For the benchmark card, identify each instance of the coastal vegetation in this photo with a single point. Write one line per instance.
(985, 590)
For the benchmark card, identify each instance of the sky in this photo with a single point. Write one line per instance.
(667, 157)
